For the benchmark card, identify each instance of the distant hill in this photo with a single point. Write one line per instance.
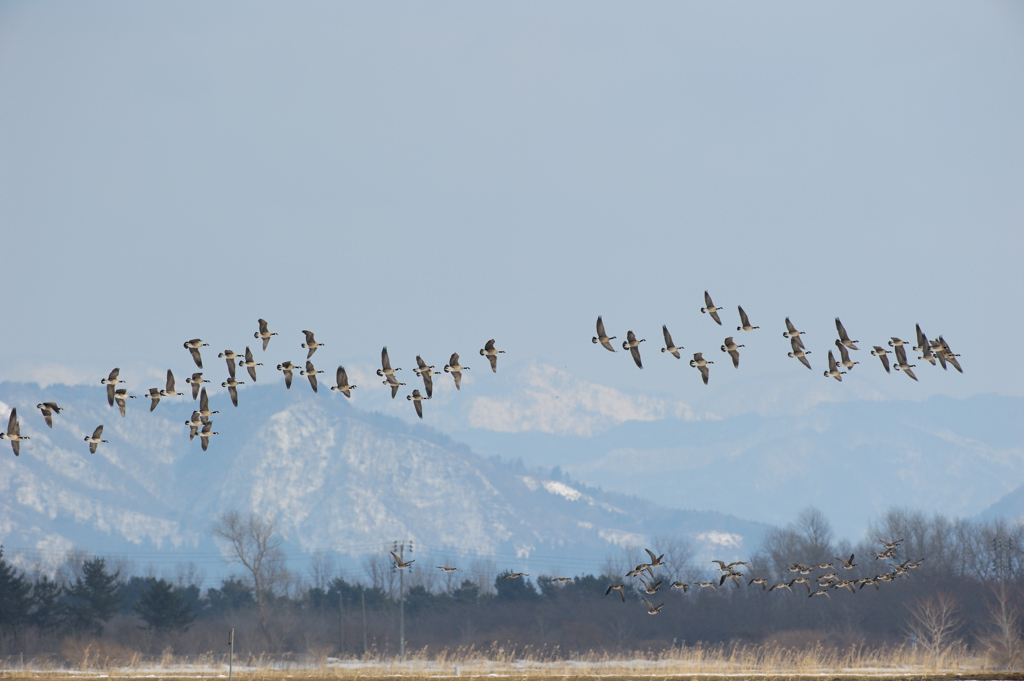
(336, 477)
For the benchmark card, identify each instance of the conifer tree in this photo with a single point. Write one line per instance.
(48, 612)
(163, 608)
(14, 596)
(95, 595)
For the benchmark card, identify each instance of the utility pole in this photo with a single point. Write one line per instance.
(231, 652)
(399, 547)
(362, 598)
(341, 617)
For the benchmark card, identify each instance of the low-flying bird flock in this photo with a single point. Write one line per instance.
(200, 424)
(933, 351)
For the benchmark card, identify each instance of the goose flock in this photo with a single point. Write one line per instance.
(934, 352)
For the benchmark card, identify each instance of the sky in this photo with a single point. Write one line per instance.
(427, 176)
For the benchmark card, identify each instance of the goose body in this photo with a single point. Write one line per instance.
(680, 585)
(670, 347)
(833, 370)
(154, 395)
(111, 382)
(455, 369)
(603, 338)
(901, 362)
(95, 440)
(121, 396)
(385, 363)
(169, 390)
(745, 324)
(445, 568)
(709, 308)
(798, 351)
(230, 356)
(232, 385)
(843, 337)
(399, 563)
(653, 609)
(649, 587)
(287, 368)
(343, 386)
(759, 580)
(196, 381)
(425, 371)
(14, 433)
(881, 353)
(417, 400)
(844, 356)
(621, 588)
(204, 435)
(394, 384)
(48, 409)
(204, 406)
(894, 341)
(633, 345)
(792, 333)
(249, 363)
(264, 333)
(923, 346)
(310, 372)
(848, 563)
(702, 364)
(194, 424)
(733, 349)
(515, 575)
(193, 347)
(310, 344)
(491, 353)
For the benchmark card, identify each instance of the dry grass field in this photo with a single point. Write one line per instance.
(707, 663)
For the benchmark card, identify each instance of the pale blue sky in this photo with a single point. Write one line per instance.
(431, 175)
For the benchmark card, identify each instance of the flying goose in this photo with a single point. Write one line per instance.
(96, 439)
(847, 564)
(831, 576)
(722, 567)
(310, 344)
(194, 424)
(653, 609)
(204, 406)
(193, 347)
(617, 587)
(819, 592)
(633, 345)
(801, 580)
(798, 351)
(734, 576)
(602, 337)
(797, 567)
(250, 364)
(445, 568)
(880, 352)
(745, 321)
(833, 371)
(394, 384)
(111, 381)
(169, 391)
(263, 333)
(711, 309)
(649, 588)
(891, 544)
(949, 355)
(196, 382)
(343, 386)
(48, 409)
(823, 566)
(232, 385)
(385, 363)
(230, 356)
(310, 372)
(844, 356)
(399, 563)
(894, 341)
(901, 362)
(888, 553)
(792, 334)
(14, 433)
(845, 584)
(153, 394)
(923, 346)
(515, 575)
(561, 580)
(680, 585)
(455, 369)
(706, 585)
(287, 367)
(781, 585)
(669, 345)
(425, 371)
(733, 350)
(759, 580)
(417, 400)
(938, 352)
(121, 396)
(865, 581)
(640, 569)
(492, 354)
(843, 337)
(204, 435)
(656, 561)
(701, 363)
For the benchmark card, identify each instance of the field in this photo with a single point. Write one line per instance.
(707, 663)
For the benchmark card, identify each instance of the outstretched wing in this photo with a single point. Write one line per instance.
(841, 329)
(12, 422)
(735, 354)
(96, 434)
(885, 362)
(454, 361)
(288, 378)
(714, 315)
(419, 407)
(233, 391)
(803, 360)
(707, 300)
(457, 375)
(341, 377)
(704, 373)
(489, 346)
(196, 357)
(204, 401)
(668, 337)
(385, 361)
(744, 320)
(110, 394)
(493, 359)
(428, 383)
(155, 396)
(635, 351)
(170, 381)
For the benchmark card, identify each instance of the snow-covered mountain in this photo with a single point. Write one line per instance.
(336, 477)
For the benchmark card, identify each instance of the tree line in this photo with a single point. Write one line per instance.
(967, 592)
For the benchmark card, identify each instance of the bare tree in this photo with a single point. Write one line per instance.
(254, 543)
(678, 553)
(1004, 642)
(188, 574)
(936, 620)
(321, 569)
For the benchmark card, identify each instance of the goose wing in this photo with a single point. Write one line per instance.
(263, 325)
(831, 362)
(789, 326)
(803, 360)
(170, 381)
(794, 342)
(98, 433)
(48, 416)
(956, 364)
(385, 361)
(885, 362)
(419, 407)
(231, 366)
(493, 359)
(704, 373)
(922, 340)
(489, 346)
(310, 340)
(707, 300)
(420, 364)
(12, 422)
(910, 373)
(600, 328)
(113, 374)
(233, 391)
(901, 355)
(287, 378)
(252, 372)
(110, 394)
(341, 377)
(735, 354)
(842, 330)
(121, 402)
(457, 375)
(311, 375)
(698, 356)
(668, 336)
(844, 354)
(428, 383)
(454, 361)
(204, 401)
(394, 388)
(634, 350)
(155, 396)
(714, 315)
(196, 357)
(744, 320)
